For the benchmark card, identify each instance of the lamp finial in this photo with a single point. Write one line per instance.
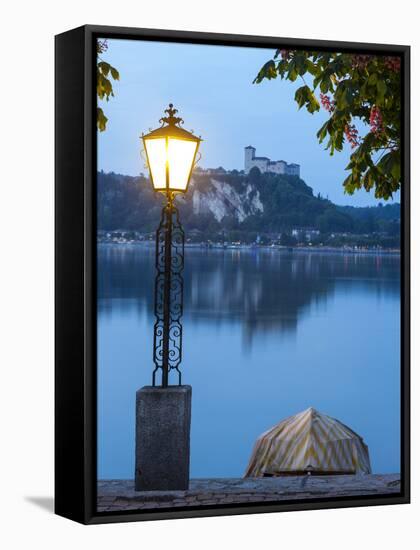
(171, 119)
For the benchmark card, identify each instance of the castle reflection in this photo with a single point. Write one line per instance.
(260, 289)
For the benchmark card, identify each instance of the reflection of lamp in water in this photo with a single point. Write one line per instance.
(163, 414)
(171, 152)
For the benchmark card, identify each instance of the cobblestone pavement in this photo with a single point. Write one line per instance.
(119, 495)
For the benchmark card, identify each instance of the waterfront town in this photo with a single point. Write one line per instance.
(301, 239)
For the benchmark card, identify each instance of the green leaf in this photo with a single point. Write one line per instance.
(390, 165)
(267, 71)
(349, 186)
(344, 95)
(292, 74)
(101, 120)
(396, 170)
(322, 132)
(305, 96)
(312, 68)
(107, 86)
(104, 67)
(381, 91)
(301, 96)
(324, 84)
(115, 74)
(317, 80)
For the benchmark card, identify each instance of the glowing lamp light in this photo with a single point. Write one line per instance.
(171, 154)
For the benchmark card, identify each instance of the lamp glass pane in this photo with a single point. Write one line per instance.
(156, 154)
(181, 155)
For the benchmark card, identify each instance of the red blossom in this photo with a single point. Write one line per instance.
(375, 120)
(352, 135)
(360, 61)
(393, 63)
(285, 54)
(327, 103)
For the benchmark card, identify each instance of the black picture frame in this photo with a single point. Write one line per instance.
(75, 273)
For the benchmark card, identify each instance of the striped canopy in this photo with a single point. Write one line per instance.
(309, 442)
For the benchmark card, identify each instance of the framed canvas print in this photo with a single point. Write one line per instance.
(232, 274)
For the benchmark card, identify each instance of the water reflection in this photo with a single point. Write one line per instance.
(263, 290)
(267, 334)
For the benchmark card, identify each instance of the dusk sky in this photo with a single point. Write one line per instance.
(212, 88)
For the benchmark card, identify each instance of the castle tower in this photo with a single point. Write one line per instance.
(249, 157)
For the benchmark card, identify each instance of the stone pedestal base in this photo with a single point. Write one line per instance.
(163, 420)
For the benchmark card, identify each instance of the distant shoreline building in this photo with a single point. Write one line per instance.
(266, 165)
(305, 233)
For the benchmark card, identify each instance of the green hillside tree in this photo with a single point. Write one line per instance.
(353, 89)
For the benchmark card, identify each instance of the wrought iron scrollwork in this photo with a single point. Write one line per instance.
(169, 288)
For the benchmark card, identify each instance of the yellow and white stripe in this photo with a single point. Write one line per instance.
(309, 442)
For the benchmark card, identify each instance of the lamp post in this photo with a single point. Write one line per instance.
(163, 413)
(171, 152)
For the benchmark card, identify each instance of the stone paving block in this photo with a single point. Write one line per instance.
(120, 495)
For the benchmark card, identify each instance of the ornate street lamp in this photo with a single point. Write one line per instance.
(163, 414)
(171, 153)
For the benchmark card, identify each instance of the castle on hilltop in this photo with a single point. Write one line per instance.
(266, 165)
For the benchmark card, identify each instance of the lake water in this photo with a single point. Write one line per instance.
(267, 334)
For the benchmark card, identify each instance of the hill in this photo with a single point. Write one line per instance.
(234, 203)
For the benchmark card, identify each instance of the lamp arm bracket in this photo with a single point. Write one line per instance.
(197, 158)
